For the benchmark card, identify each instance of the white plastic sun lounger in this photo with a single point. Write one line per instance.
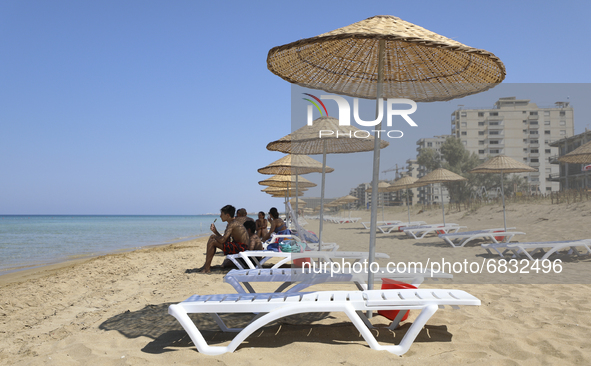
(518, 249)
(366, 224)
(273, 306)
(304, 278)
(460, 239)
(250, 257)
(388, 228)
(419, 232)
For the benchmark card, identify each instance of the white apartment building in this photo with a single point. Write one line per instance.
(519, 129)
(430, 193)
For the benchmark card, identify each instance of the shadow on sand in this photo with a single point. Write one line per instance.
(154, 322)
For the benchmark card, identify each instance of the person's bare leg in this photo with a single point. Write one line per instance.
(212, 244)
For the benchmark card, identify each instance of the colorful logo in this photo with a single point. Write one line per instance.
(316, 104)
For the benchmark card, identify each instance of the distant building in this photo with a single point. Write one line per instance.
(569, 176)
(519, 129)
(363, 198)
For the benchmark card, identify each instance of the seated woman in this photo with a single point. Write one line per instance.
(261, 225)
(278, 226)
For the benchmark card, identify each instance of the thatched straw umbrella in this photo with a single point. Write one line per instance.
(502, 164)
(404, 183)
(440, 176)
(580, 155)
(294, 165)
(386, 57)
(305, 140)
(348, 199)
(286, 181)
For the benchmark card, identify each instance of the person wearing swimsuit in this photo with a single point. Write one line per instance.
(234, 240)
(277, 224)
(261, 225)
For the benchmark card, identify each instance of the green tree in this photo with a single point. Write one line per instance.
(429, 158)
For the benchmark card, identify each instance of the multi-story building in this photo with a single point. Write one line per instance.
(363, 197)
(430, 193)
(570, 176)
(519, 129)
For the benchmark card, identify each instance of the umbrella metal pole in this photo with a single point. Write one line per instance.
(297, 194)
(407, 206)
(376, 168)
(442, 205)
(322, 195)
(503, 195)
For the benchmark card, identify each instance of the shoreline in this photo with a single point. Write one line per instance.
(22, 274)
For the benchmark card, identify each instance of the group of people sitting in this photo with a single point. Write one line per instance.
(242, 233)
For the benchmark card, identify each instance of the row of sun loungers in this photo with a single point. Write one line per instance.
(288, 299)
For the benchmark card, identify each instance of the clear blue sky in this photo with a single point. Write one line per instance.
(142, 107)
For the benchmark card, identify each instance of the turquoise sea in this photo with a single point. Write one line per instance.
(28, 241)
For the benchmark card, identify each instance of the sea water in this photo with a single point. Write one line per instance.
(28, 241)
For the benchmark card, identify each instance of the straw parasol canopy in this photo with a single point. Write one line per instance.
(581, 155)
(300, 202)
(286, 181)
(382, 187)
(305, 140)
(282, 195)
(274, 190)
(440, 176)
(348, 199)
(386, 57)
(502, 164)
(405, 183)
(294, 164)
(419, 64)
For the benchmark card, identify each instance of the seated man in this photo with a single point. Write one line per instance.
(241, 216)
(254, 242)
(234, 240)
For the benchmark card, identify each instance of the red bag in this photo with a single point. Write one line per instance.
(388, 283)
(499, 238)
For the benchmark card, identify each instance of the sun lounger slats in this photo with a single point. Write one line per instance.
(302, 279)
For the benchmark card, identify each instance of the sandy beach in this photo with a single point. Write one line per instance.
(112, 310)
